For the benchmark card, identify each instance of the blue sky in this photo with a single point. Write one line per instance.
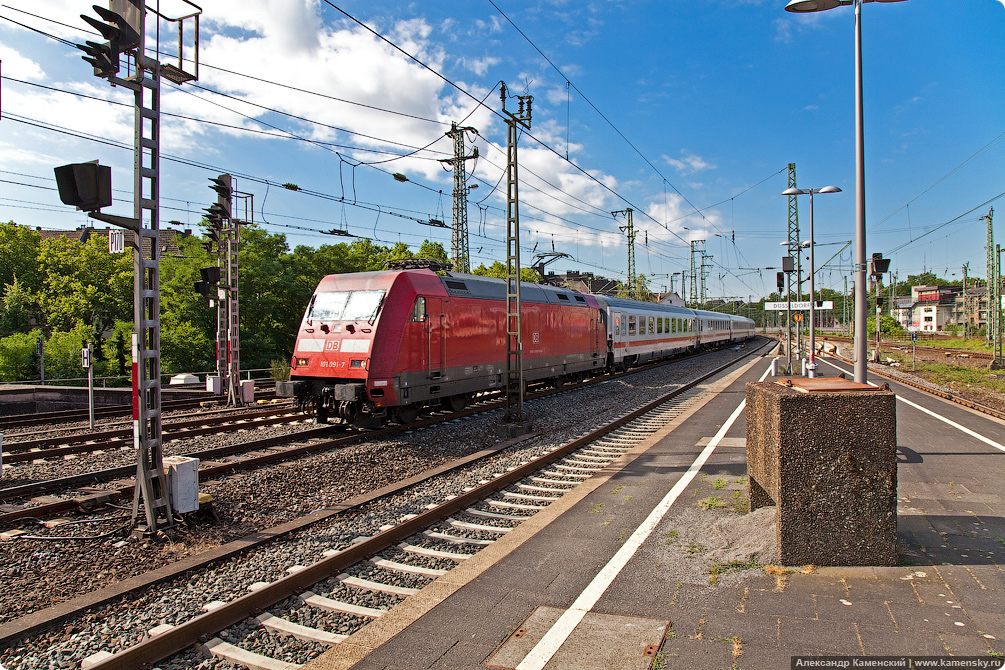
(687, 112)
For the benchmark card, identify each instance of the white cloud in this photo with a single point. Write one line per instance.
(688, 163)
(479, 66)
(17, 66)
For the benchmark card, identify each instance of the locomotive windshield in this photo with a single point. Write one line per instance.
(345, 306)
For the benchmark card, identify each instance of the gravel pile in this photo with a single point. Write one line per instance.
(263, 498)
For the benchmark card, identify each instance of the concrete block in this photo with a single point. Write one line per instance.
(823, 451)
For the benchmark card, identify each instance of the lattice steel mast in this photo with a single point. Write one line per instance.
(630, 232)
(459, 250)
(514, 336)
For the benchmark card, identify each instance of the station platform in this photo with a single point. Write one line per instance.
(700, 590)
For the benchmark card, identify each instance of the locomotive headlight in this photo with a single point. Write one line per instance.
(303, 361)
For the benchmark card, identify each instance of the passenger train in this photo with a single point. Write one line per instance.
(383, 345)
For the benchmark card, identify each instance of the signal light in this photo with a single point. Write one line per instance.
(880, 265)
(211, 274)
(879, 301)
(203, 288)
(87, 186)
(121, 36)
(223, 185)
(780, 278)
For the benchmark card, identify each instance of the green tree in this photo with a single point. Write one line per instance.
(499, 271)
(62, 352)
(18, 360)
(84, 284)
(19, 256)
(188, 323)
(18, 309)
(433, 250)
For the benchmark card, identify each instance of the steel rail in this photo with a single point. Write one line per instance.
(179, 638)
(984, 409)
(220, 425)
(73, 481)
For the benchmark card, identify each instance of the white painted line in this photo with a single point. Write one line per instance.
(943, 419)
(560, 631)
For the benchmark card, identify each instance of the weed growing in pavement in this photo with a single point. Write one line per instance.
(694, 493)
(737, 494)
(696, 548)
(711, 502)
(739, 505)
(671, 537)
(627, 498)
(608, 522)
(596, 508)
(1000, 540)
(615, 491)
(704, 476)
(742, 479)
(673, 601)
(996, 654)
(717, 568)
(718, 483)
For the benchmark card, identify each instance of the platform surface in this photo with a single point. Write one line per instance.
(947, 597)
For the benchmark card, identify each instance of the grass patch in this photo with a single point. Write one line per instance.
(671, 537)
(950, 374)
(718, 483)
(627, 498)
(711, 502)
(716, 569)
(615, 491)
(596, 508)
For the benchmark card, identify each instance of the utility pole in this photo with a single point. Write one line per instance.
(794, 249)
(459, 253)
(629, 230)
(705, 270)
(994, 285)
(694, 274)
(966, 305)
(514, 335)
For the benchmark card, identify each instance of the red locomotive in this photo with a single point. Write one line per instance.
(375, 345)
(379, 345)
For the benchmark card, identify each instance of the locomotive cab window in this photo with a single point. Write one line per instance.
(345, 305)
(419, 311)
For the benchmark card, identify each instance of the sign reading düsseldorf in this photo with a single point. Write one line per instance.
(801, 305)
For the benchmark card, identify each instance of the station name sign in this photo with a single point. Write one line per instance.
(800, 305)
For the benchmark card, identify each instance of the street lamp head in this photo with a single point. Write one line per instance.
(795, 191)
(803, 6)
(829, 189)
(805, 244)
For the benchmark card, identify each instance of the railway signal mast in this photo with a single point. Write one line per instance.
(88, 186)
(514, 336)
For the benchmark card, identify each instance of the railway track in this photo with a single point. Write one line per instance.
(984, 409)
(387, 565)
(77, 492)
(945, 351)
(21, 451)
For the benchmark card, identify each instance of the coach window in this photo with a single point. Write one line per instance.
(419, 311)
(652, 325)
(631, 324)
(659, 325)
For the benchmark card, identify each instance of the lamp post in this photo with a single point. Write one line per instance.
(811, 367)
(861, 309)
